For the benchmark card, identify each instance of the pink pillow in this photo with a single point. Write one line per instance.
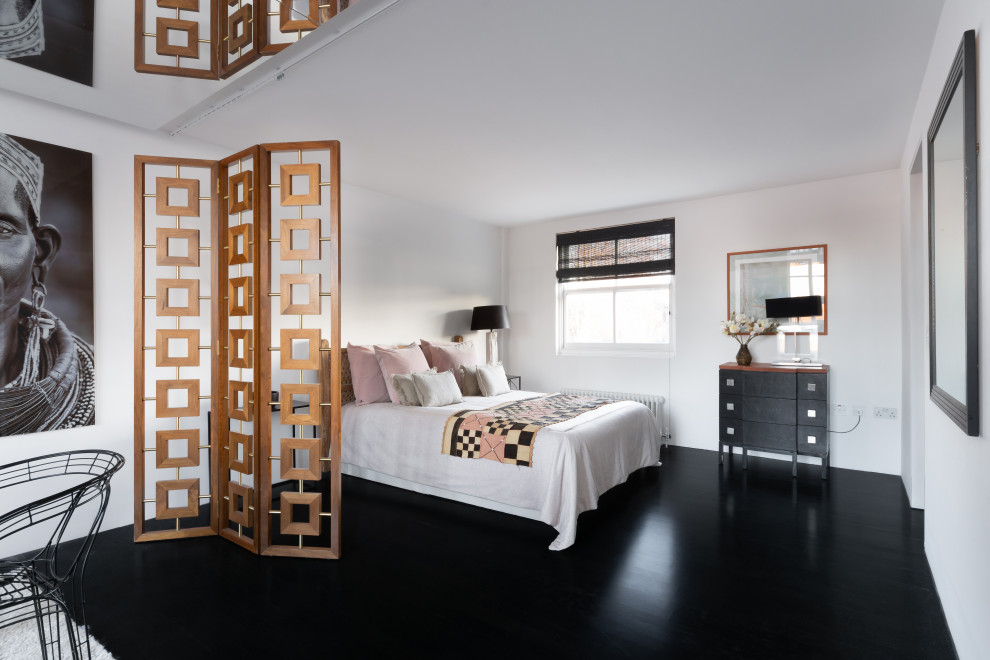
(395, 361)
(366, 375)
(428, 346)
(450, 358)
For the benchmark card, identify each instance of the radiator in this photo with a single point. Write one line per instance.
(652, 401)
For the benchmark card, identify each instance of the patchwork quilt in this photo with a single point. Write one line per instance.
(507, 432)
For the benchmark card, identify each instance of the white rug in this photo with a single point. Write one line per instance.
(20, 641)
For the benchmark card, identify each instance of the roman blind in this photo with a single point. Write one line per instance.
(634, 250)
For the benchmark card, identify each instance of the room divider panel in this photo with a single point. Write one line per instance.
(271, 294)
(217, 38)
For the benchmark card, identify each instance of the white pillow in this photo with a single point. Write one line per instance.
(437, 389)
(403, 385)
(492, 380)
(469, 380)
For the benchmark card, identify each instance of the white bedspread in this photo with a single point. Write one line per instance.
(574, 462)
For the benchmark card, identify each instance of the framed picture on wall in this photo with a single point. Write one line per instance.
(46, 287)
(54, 36)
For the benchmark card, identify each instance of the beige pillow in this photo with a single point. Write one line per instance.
(469, 380)
(403, 384)
(492, 380)
(437, 389)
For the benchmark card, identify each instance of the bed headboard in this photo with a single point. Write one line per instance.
(346, 382)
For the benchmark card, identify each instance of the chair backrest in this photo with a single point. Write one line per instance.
(59, 507)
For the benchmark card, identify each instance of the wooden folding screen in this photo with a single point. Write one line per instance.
(271, 293)
(217, 38)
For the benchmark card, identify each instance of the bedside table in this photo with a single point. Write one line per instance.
(518, 380)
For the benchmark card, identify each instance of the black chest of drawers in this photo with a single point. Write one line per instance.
(774, 409)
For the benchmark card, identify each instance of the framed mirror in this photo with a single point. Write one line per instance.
(953, 247)
(778, 273)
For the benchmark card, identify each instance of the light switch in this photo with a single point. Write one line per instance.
(811, 413)
(811, 440)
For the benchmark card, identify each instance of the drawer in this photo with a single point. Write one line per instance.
(757, 435)
(730, 381)
(730, 430)
(729, 406)
(812, 386)
(773, 411)
(812, 440)
(770, 384)
(812, 413)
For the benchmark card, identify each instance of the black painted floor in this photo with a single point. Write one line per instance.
(687, 560)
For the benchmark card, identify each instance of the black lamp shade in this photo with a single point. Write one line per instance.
(787, 308)
(490, 317)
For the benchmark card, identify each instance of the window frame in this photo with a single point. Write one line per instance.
(615, 349)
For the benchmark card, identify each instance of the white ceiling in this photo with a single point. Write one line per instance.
(564, 107)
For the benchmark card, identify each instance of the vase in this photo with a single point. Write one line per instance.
(744, 358)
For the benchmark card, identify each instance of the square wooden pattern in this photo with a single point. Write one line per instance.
(240, 254)
(245, 412)
(287, 469)
(239, 30)
(163, 459)
(191, 186)
(188, 5)
(312, 304)
(241, 444)
(163, 387)
(312, 359)
(312, 393)
(162, 287)
(311, 226)
(240, 186)
(291, 19)
(164, 359)
(190, 28)
(164, 512)
(239, 504)
(240, 288)
(312, 195)
(162, 256)
(240, 349)
(311, 527)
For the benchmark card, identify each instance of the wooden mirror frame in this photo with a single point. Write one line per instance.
(965, 414)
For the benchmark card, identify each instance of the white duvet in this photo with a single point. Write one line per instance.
(574, 462)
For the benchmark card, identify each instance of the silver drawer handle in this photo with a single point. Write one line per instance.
(811, 440)
(811, 387)
(730, 406)
(730, 431)
(811, 413)
(730, 382)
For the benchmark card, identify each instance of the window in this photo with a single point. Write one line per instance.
(615, 290)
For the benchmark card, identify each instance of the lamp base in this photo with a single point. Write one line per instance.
(492, 348)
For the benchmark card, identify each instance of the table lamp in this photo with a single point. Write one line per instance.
(490, 318)
(793, 308)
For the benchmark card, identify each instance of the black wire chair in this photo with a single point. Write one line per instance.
(35, 585)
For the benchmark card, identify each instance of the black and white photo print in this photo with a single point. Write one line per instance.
(46, 287)
(54, 36)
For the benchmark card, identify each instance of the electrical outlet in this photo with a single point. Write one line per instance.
(840, 409)
(859, 409)
(885, 413)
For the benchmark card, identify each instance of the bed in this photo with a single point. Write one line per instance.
(574, 461)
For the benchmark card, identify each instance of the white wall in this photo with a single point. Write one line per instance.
(914, 298)
(957, 525)
(407, 272)
(412, 272)
(857, 217)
